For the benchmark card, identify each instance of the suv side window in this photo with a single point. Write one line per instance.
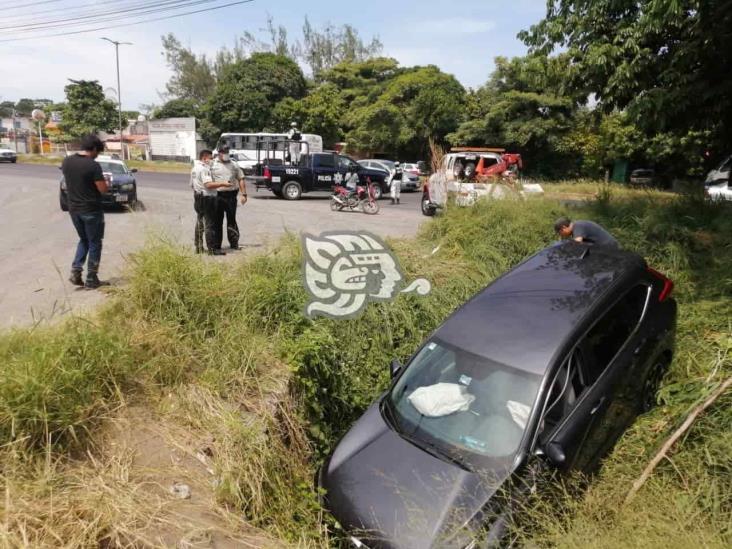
(324, 161)
(568, 385)
(344, 163)
(609, 334)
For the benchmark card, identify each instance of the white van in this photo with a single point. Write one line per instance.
(243, 146)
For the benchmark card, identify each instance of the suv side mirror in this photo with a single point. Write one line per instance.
(395, 367)
(555, 453)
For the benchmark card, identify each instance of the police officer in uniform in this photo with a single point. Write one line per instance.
(225, 171)
(395, 188)
(206, 204)
(295, 138)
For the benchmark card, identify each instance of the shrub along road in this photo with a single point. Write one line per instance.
(37, 239)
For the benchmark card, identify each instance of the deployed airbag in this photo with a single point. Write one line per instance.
(441, 399)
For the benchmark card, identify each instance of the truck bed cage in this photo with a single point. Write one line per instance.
(266, 156)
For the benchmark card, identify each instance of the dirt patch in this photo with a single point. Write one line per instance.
(163, 456)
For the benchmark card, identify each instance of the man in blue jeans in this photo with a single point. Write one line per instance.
(85, 184)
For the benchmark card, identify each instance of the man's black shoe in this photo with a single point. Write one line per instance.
(217, 252)
(76, 279)
(92, 283)
(235, 247)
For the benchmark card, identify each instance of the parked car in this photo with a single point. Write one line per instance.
(412, 180)
(8, 155)
(411, 168)
(121, 180)
(538, 374)
(643, 176)
(719, 190)
(720, 173)
(317, 172)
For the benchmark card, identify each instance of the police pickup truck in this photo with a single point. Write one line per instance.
(317, 172)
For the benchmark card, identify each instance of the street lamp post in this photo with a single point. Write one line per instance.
(119, 93)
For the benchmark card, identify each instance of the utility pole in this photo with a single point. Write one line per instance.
(15, 131)
(119, 93)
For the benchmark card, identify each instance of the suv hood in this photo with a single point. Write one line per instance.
(389, 493)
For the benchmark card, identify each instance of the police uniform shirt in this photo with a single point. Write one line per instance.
(227, 171)
(200, 175)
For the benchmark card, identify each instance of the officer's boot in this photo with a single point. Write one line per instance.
(397, 201)
(393, 201)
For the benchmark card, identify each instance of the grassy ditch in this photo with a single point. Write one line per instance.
(223, 353)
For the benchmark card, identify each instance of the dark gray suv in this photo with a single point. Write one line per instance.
(542, 371)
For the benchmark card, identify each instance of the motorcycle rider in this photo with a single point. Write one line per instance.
(395, 185)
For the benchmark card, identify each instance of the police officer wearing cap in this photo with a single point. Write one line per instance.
(224, 170)
(206, 205)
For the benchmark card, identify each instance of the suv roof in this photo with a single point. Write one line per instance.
(528, 314)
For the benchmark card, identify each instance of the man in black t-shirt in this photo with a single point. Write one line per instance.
(584, 231)
(85, 184)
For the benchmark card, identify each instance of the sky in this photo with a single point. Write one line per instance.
(461, 38)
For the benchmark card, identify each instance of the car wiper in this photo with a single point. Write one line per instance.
(436, 451)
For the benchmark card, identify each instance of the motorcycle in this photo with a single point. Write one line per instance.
(362, 199)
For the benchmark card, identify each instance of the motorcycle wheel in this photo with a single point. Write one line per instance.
(370, 208)
(427, 208)
(335, 205)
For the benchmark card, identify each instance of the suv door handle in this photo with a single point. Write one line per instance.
(597, 405)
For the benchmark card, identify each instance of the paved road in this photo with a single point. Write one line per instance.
(37, 239)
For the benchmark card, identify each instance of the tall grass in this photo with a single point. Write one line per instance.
(225, 351)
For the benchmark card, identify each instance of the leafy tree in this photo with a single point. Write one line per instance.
(431, 104)
(249, 89)
(87, 110)
(6, 109)
(320, 112)
(667, 63)
(193, 75)
(25, 106)
(323, 49)
(523, 107)
(177, 108)
(375, 127)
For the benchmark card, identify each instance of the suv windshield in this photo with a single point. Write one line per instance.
(463, 406)
(113, 168)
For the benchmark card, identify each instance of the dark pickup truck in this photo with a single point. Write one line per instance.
(316, 172)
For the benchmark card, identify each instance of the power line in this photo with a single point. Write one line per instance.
(69, 8)
(173, 16)
(101, 17)
(33, 4)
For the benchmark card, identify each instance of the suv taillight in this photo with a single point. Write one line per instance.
(668, 284)
(267, 174)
